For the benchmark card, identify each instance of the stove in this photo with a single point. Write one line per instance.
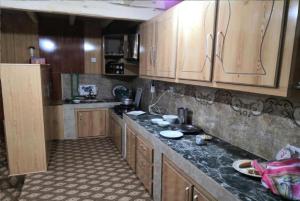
(120, 109)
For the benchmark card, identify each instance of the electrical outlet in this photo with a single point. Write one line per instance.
(93, 60)
(171, 89)
(152, 89)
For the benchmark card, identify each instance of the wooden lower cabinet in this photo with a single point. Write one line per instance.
(140, 158)
(91, 122)
(176, 186)
(144, 163)
(116, 133)
(131, 148)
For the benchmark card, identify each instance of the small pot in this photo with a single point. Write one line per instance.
(127, 101)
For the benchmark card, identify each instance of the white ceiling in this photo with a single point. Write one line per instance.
(115, 9)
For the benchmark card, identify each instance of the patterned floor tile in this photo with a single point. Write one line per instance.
(84, 170)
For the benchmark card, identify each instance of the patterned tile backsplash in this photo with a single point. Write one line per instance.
(259, 124)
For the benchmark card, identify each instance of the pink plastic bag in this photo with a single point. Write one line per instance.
(281, 177)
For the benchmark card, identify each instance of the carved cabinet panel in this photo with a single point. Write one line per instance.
(248, 42)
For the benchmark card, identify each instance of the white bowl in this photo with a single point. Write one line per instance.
(163, 123)
(156, 120)
(76, 101)
(170, 118)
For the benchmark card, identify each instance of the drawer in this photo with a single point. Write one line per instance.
(144, 172)
(145, 149)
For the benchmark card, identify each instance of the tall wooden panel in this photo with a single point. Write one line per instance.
(196, 20)
(92, 48)
(147, 39)
(249, 35)
(23, 103)
(18, 32)
(166, 44)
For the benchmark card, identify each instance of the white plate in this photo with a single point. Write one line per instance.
(136, 113)
(236, 166)
(171, 134)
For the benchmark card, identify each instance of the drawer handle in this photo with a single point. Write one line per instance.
(187, 193)
(195, 198)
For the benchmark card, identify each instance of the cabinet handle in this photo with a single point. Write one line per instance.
(187, 193)
(219, 49)
(208, 37)
(195, 198)
(150, 58)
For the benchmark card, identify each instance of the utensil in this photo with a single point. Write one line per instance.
(181, 115)
(171, 134)
(188, 129)
(127, 101)
(244, 167)
(170, 118)
(119, 88)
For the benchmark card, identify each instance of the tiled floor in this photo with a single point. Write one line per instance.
(84, 170)
(10, 187)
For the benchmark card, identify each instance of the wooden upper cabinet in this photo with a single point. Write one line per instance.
(91, 123)
(166, 44)
(248, 42)
(146, 48)
(196, 21)
(175, 187)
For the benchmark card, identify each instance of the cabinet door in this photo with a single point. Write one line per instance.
(91, 123)
(196, 21)
(249, 35)
(144, 171)
(175, 187)
(130, 148)
(166, 44)
(146, 48)
(116, 130)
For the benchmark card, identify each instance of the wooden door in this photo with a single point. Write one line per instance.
(249, 35)
(91, 123)
(147, 38)
(131, 148)
(166, 44)
(175, 187)
(196, 21)
(116, 130)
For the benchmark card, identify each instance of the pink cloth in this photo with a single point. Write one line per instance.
(281, 177)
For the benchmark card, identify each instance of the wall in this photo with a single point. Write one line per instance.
(104, 84)
(259, 124)
(18, 32)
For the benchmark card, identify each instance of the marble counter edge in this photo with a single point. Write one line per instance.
(210, 185)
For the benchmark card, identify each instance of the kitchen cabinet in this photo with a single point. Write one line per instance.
(248, 47)
(159, 45)
(131, 148)
(25, 91)
(144, 163)
(176, 186)
(196, 21)
(56, 121)
(146, 61)
(116, 133)
(91, 122)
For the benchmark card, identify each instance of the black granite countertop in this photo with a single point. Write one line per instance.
(215, 160)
